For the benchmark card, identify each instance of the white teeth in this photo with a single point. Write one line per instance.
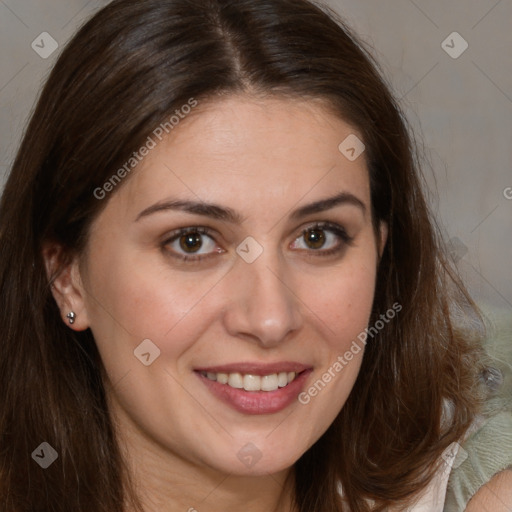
(282, 379)
(221, 377)
(236, 381)
(270, 382)
(250, 382)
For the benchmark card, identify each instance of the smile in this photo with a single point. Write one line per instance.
(250, 382)
(253, 388)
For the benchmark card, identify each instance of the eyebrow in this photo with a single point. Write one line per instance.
(329, 203)
(227, 214)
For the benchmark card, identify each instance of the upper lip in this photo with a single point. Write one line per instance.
(256, 368)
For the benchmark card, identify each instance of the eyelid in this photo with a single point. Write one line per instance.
(335, 228)
(174, 235)
(332, 227)
(190, 258)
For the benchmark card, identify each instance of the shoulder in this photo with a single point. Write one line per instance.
(483, 468)
(494, 496)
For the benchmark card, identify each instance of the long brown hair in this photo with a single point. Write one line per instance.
(127, 70)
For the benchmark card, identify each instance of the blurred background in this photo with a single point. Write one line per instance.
(449, 63)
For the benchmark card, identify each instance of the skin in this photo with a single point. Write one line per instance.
(262, 158)
(494, 496)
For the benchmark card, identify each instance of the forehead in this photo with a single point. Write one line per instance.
(245, 152)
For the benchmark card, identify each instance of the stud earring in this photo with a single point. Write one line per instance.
(71, 317)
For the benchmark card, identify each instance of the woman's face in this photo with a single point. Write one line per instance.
(240, 249)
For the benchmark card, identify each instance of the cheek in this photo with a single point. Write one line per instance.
(342, 306)
(343, 300)
(134, 298)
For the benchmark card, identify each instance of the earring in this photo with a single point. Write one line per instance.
(71, 317)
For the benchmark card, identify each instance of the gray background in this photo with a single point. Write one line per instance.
(460, 108)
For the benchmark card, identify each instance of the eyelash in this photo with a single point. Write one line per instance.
(332, 228)
(325, 226)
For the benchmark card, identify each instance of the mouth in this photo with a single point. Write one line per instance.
(256, 389)
(249, 382)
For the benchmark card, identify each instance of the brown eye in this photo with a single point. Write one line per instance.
(315, 238)
(323, 239)
(191, 242)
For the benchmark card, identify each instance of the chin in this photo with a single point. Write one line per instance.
(251, 462)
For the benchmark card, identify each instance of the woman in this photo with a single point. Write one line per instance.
(221, 285)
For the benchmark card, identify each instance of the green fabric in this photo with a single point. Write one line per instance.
(489, 448)
(489, 451)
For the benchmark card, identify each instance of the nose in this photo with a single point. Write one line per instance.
(263, 305)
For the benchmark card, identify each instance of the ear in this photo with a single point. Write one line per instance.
(383, 237)
(67, 287)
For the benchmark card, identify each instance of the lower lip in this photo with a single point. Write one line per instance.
(257, 402)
